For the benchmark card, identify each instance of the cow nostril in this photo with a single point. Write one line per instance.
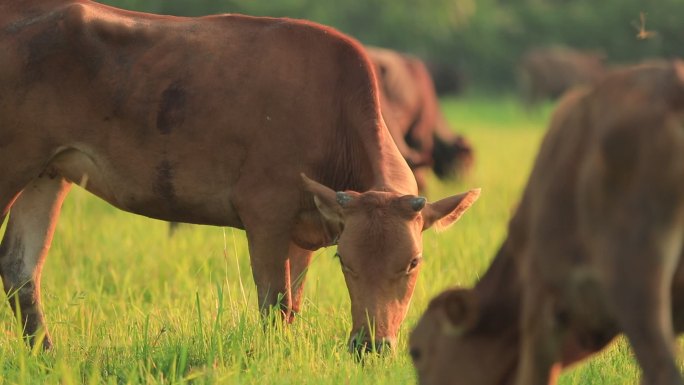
(415, 354)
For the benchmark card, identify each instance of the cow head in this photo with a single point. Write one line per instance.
(451, 157)
(456, 343)
(380, 252)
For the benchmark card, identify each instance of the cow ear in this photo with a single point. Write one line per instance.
(328, 202)
(458, 308)
(445, 212)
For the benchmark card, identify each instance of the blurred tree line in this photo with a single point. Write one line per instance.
(482, 39)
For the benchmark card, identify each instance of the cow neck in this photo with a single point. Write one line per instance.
(362, 153)
(367, 159)
(357, 161)
(390, 170)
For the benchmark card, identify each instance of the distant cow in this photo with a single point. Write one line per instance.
(546, 73)
(411, 110)
(448, 79)
(209, 120)
(594, 249)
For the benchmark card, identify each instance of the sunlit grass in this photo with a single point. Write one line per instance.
(128, 305)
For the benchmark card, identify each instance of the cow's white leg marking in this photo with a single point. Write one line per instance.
(27, 239)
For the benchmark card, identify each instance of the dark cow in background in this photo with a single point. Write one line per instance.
(447, 77)
(546, 73)
(594, 249)
(411, 110)
(209, 120)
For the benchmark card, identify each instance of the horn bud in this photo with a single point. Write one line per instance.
(343, 198)
(418, 203)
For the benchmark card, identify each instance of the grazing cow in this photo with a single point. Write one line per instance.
(546, 73)
(209, 120)
(593, 250)
(411, 110)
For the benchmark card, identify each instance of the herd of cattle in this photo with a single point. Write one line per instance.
(295, 133)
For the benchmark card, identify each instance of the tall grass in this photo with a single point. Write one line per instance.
(126, 304)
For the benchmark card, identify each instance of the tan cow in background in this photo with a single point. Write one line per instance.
(209, 120)
(546, 73)
(593, 250)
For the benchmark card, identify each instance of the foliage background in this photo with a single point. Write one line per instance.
(482, 39)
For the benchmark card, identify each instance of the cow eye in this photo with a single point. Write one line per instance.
(413, 264)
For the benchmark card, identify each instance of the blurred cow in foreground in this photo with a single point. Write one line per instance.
(594, 249)
(411, 111)
(546, 73)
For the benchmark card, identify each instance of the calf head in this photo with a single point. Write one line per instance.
(380, 252)
(457, 343)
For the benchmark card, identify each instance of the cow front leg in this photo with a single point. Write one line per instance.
(299, 260)
(638, 284)
(27, 239)
(271, 272)
(540, 346)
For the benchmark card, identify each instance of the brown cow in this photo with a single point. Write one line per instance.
(594, 249)
(209, 120)
(411, 110)
(546, 73)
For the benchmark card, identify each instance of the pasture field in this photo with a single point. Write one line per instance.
(128, 305)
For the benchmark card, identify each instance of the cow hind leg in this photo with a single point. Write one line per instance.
(26, 242)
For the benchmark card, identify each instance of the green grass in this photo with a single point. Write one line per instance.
(128, 305)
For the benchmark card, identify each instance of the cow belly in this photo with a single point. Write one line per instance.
(145, 190)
